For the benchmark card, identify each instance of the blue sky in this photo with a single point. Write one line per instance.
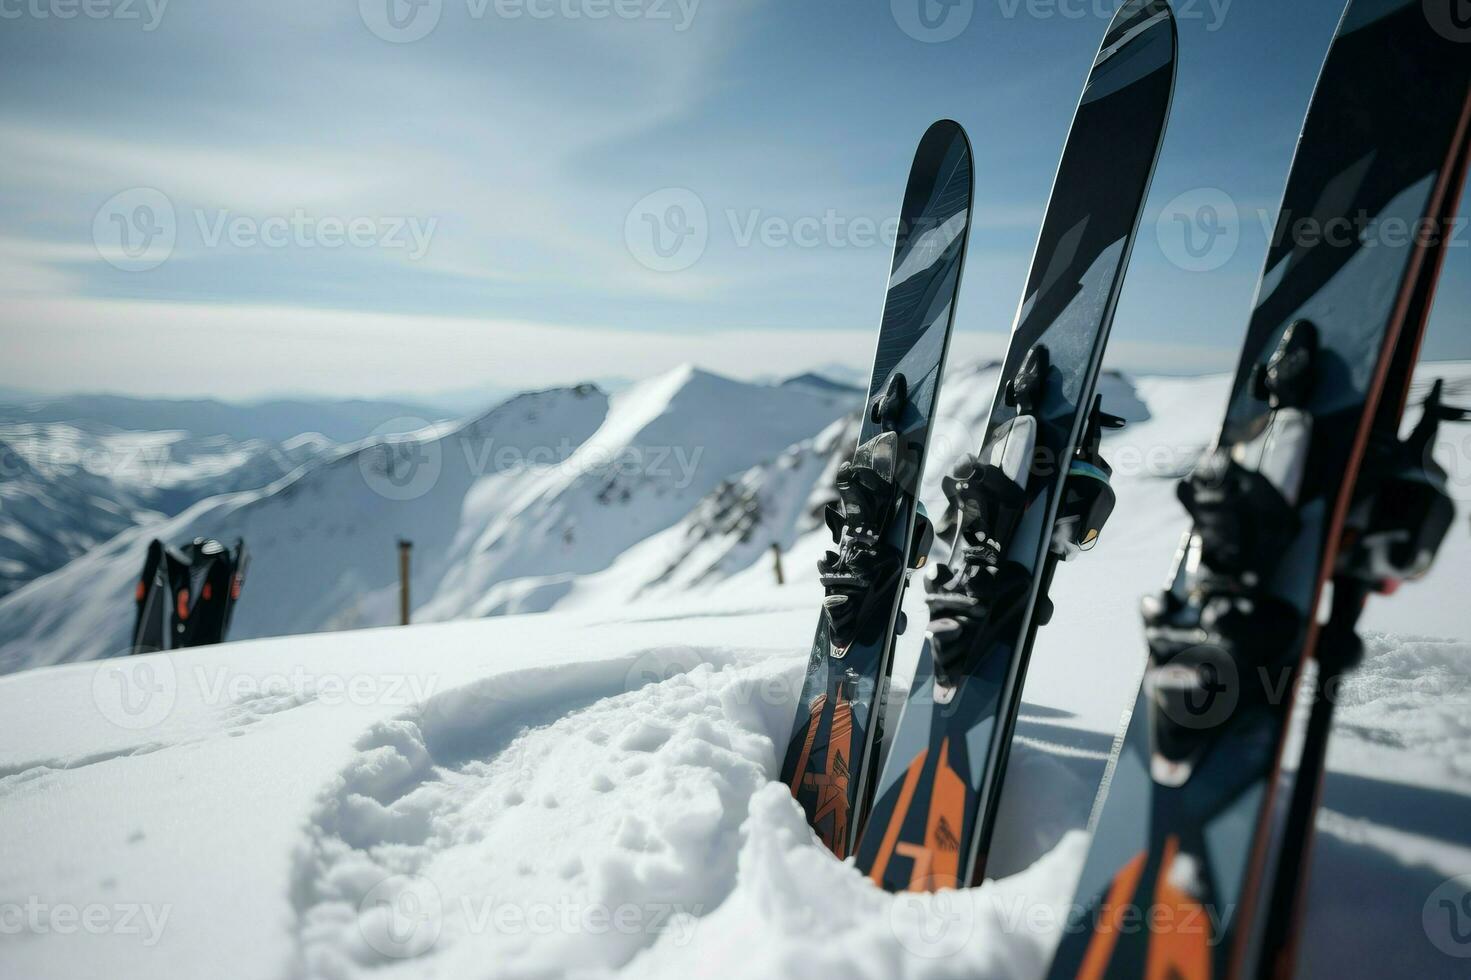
(273, 197)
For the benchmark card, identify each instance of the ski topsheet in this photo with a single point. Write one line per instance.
(876, 532)
(1180, 873)
(931, 822)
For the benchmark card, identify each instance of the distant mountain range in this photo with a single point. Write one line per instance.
(508, 511)
(553, 499)
(272, 421)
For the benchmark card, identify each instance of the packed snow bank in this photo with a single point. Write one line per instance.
(579, 794)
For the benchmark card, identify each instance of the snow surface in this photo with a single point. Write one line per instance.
(590, 791)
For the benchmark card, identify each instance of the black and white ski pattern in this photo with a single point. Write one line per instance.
(1188, 848)
(828, 761)
(931, 822)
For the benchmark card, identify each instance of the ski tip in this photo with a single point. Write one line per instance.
(945, 132)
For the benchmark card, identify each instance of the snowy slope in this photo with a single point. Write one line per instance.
(504, 513)
(549, 795)
(323, 540)
(665, 444)
(66, 487)
(590, 791)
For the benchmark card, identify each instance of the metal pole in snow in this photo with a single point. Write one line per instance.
(776, 563)
(404, 548)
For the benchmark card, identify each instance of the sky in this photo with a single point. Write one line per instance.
(364, 198)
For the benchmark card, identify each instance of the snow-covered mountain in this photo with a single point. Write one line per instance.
(79, 469)
(270, 420)
(505, 513)
(66, 487)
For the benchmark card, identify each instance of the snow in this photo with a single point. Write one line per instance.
(591, 790)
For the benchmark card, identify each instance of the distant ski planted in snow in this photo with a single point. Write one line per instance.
(878, 534)
(186, 597)
(1308, 503)
(1038, 490)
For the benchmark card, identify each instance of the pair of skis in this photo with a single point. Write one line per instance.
(1036, 493)
(186, 596)
(1309, 503)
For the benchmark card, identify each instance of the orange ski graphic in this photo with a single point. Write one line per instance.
(935, 863)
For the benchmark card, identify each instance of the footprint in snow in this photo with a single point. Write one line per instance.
(644, 821)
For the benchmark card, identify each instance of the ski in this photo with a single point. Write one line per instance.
(186, 597)
(1398, 517)
(1038, 490)
(1307, 503)
(876, 529)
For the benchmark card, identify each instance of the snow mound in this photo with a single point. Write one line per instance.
(462, 810)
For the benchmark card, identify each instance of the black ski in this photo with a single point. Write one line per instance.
(874, 525)
(1037, 491)
(186, 597)
(1307, 483)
